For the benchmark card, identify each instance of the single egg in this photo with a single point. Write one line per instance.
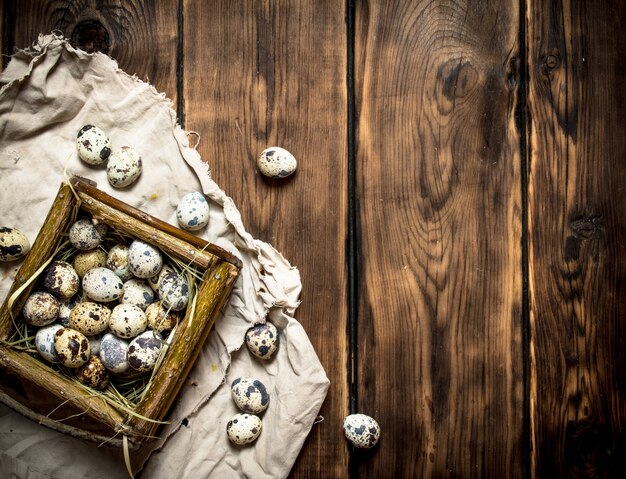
(85, 261)
(102, 285)
(84, 235)
(44, 342)
(117, 261)
(114, 353)
(193, 211)
(127, 321)
(262, 340)
(144, 351)
(13, 244)
(276, 162)
(124, 167)
(137, 292)
(144, 260)
(90, 318)
(94, 146)
(72, 347)
(61, 279)
(155, 281)
(159, 319)
(250, 395)
(361, 431)
(40, 309)
(93, 373)
(244, 428)
(174, 292)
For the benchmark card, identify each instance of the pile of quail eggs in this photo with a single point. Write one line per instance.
(249, 394)
(105, 308)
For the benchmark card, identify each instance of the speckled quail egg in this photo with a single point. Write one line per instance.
(102, 284)
(124, 167)
(65, 308)
(159, 319)
(13, 244)
(87, 260)
(276, 162)
(250, 395)
(93, 373)
(72, 347)
(117, 261)
(90, 318)
(193, 211)
(61, 279)
(262, 340)
(94, 146)
(84, 235)
(40, 309)
(127, 321)
(155, 280)
(244, 428)
(94, 344)
(137, 292)
(174, 292)
(144, 351)
(144, 260)
(44, 342)
(361, 431)
(114, 353)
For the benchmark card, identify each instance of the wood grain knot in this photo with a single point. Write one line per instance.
(91, 36)
(550, 62)
(588, 449)
(455, 79)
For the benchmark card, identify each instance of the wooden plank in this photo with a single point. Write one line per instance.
(577, 269)
(440, 277)
(141, 36)
(259, 74)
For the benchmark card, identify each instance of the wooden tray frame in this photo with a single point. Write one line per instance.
(31, 387)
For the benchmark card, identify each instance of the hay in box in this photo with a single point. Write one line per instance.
(130, 406)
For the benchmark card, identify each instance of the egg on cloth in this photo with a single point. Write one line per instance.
(94, 146)
(192, 212)
(72, 347)
(93, 373)
(144, 351)
(13, 244)
(244, 428)
(124, 167)
(127, 321)
(84, 235)
(262, 340)
(90, 318)
(159, 319)
(137, 292)
(250, 395)
(174, 292)
(40, 309)
(276, 162)
(114, 353)
(361, 431)
(144, 260)
(102, 284)
(61, 279)
(85, 261)
(44, 342)
(117, 261)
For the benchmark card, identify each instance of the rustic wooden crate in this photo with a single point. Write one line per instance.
(34, 389)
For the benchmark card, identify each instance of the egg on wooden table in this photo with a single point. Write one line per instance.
(114, 353)
(40, 309)
(90, 318)
(14, 244)
(250, 395)
(361, 430)
(124, 167)
(72, 347)
(192, 212)
(94, 146)
(276, 162)
(102, 285)
(44, 342)
(144, 260)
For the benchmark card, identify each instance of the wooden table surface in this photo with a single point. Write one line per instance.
(458, 213)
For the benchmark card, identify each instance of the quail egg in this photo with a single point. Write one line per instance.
(44, 342)
(102, 284)
(193, 211)
(155, 280)
(94, 146)
(127, 321)
(144, 260)
(244, 428)
(72, 347)
(250, 395)
(61, 279)
(137, 292)
(144, 351)
(65, 308)
(13, 244)
(276, 162)
(90, 318)
(159, 319)
(174, 292)
(84, 235)
(117, 261)
(361, 431)
(124, 167)
(262, 340)
(85, 261)
(40, 309)
(93, 373)
(114, 353)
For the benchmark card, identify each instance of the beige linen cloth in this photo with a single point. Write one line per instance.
(47, 94)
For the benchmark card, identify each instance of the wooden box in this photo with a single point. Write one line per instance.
(32, 387)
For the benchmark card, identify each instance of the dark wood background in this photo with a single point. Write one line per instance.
(457, 214)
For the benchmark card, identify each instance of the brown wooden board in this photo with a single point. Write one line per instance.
(260, 74)
(577, 173)
(440, 278)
